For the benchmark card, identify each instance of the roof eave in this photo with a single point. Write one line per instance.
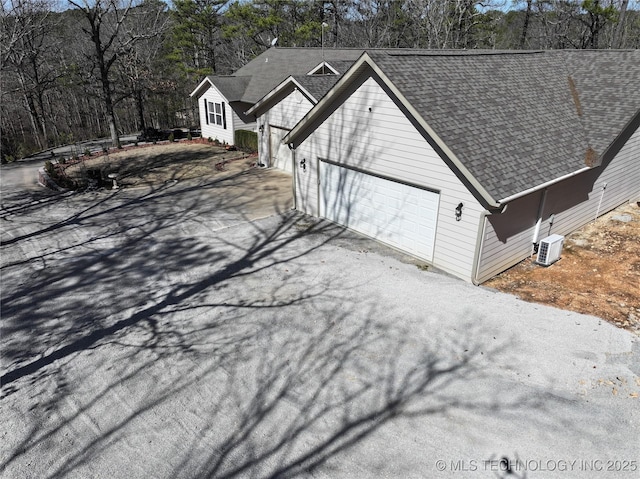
(200, 86)
(297, 134)
(617, 144)
(262, 105)
(611, 151)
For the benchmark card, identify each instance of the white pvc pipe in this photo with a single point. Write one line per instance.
(604, 187)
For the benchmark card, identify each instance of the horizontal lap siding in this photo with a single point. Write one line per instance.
(622, 178)
(239, 124)
(573, 203)
(508, 236)
(307, 179)
(285, 114)
(211, 130)
(384, 142)
(288, 112)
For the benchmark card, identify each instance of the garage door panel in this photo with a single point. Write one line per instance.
(395, 213)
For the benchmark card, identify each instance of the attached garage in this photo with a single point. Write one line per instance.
(399, 214)
(427, 153)
(280, 153)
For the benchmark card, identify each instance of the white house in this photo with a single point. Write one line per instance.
(220, 108)
(467, 159)
(283, 107)
(224, 100)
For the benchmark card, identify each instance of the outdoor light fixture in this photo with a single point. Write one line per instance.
(303, 164)
(261, 128)
(459, 211)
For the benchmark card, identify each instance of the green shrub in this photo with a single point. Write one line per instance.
(49, 168)
(189, 137)
(172, 138)
(246, 140)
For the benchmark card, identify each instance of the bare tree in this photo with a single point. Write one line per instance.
(105, 19)
(619, 29)
(138, 64)
(113, 36)
(26, 43)
(525, 26)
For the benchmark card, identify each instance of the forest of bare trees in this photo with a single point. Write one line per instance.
(79, 69)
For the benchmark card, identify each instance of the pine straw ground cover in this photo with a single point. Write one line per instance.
(598, 273)
(155, 164)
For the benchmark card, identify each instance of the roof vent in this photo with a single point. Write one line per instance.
(550, 250)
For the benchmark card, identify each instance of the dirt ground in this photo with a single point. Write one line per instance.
(598, 273)
(155, 164)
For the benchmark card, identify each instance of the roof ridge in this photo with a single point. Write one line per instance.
(463, 53)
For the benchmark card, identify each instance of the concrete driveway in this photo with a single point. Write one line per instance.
(204, 329)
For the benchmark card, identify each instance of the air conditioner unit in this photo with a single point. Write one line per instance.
(550, 249)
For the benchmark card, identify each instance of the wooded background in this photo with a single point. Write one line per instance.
(81, 69)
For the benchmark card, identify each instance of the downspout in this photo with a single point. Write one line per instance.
(293, 176)
(604, 187)
(477, 256)
(536, 231)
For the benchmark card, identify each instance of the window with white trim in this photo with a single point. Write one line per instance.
(215, 113)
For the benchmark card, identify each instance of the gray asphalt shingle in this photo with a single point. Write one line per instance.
(317, 85)
(232, 87)
(515, 119)
(510, 117)
(276, 64)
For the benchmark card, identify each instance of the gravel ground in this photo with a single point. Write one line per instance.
(202, 329)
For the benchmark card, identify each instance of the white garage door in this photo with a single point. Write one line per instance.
(401, 215)
(280, 154)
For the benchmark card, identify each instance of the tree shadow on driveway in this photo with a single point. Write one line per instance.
(154, 337)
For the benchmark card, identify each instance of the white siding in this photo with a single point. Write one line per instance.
(288, 112)
(280, 153)
(211, 130)
(573, 203)
(285, 114)
(369, 132)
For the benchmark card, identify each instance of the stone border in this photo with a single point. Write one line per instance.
(45, 180)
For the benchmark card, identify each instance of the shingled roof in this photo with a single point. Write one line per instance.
(516, 120)
(232, 87)
(273, 66)
(317, 85)
(519, 119)
(258, 77)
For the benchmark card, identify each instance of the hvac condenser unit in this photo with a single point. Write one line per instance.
(550, 249)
